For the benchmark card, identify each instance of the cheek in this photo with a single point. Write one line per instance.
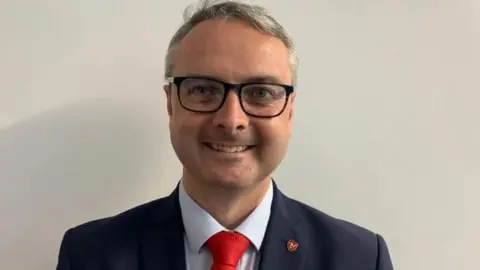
(274, 136)
(185, 126)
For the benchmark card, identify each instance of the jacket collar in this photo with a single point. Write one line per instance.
(162, 242)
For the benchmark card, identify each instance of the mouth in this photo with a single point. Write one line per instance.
(225, 148)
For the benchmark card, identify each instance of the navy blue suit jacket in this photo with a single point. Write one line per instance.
(151, 237)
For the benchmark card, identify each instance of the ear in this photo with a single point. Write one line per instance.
(292, 99)
(168, 95)
(290, 114)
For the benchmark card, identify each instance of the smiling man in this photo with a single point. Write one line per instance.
(230, 72)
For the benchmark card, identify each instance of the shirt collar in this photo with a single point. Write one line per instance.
(200, 225)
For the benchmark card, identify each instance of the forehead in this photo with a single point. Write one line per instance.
(232, 50)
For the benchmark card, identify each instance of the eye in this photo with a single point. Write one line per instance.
(262, 93)
(259, 92)
(203, 90)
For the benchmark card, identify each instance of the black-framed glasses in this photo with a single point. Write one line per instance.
(207, 95)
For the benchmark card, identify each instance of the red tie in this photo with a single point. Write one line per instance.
(227, 249)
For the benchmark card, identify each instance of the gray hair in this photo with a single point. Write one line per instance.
(256, 16)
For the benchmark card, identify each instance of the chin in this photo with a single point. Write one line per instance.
(228, 180)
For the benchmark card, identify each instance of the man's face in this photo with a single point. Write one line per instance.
(233, 52)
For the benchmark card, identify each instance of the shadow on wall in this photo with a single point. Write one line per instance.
(65, 167)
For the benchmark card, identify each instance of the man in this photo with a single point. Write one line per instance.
(231, 71)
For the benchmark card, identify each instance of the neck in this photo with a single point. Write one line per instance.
(229, 206)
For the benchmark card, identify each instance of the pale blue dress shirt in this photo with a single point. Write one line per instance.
(200, 226)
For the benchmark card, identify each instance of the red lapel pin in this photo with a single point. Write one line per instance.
(292, 245)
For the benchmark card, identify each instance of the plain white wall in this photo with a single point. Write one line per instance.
(387, 128)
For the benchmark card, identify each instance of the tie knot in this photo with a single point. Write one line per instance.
(227, 249)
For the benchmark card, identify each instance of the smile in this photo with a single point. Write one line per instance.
(228, 148)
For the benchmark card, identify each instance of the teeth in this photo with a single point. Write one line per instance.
(228, 148)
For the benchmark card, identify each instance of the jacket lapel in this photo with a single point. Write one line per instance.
(162, 245)
(284, 246)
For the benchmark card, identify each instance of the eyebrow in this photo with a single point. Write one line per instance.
(253, 79)
(264, 79)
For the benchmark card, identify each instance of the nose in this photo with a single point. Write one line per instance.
(231, 117)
